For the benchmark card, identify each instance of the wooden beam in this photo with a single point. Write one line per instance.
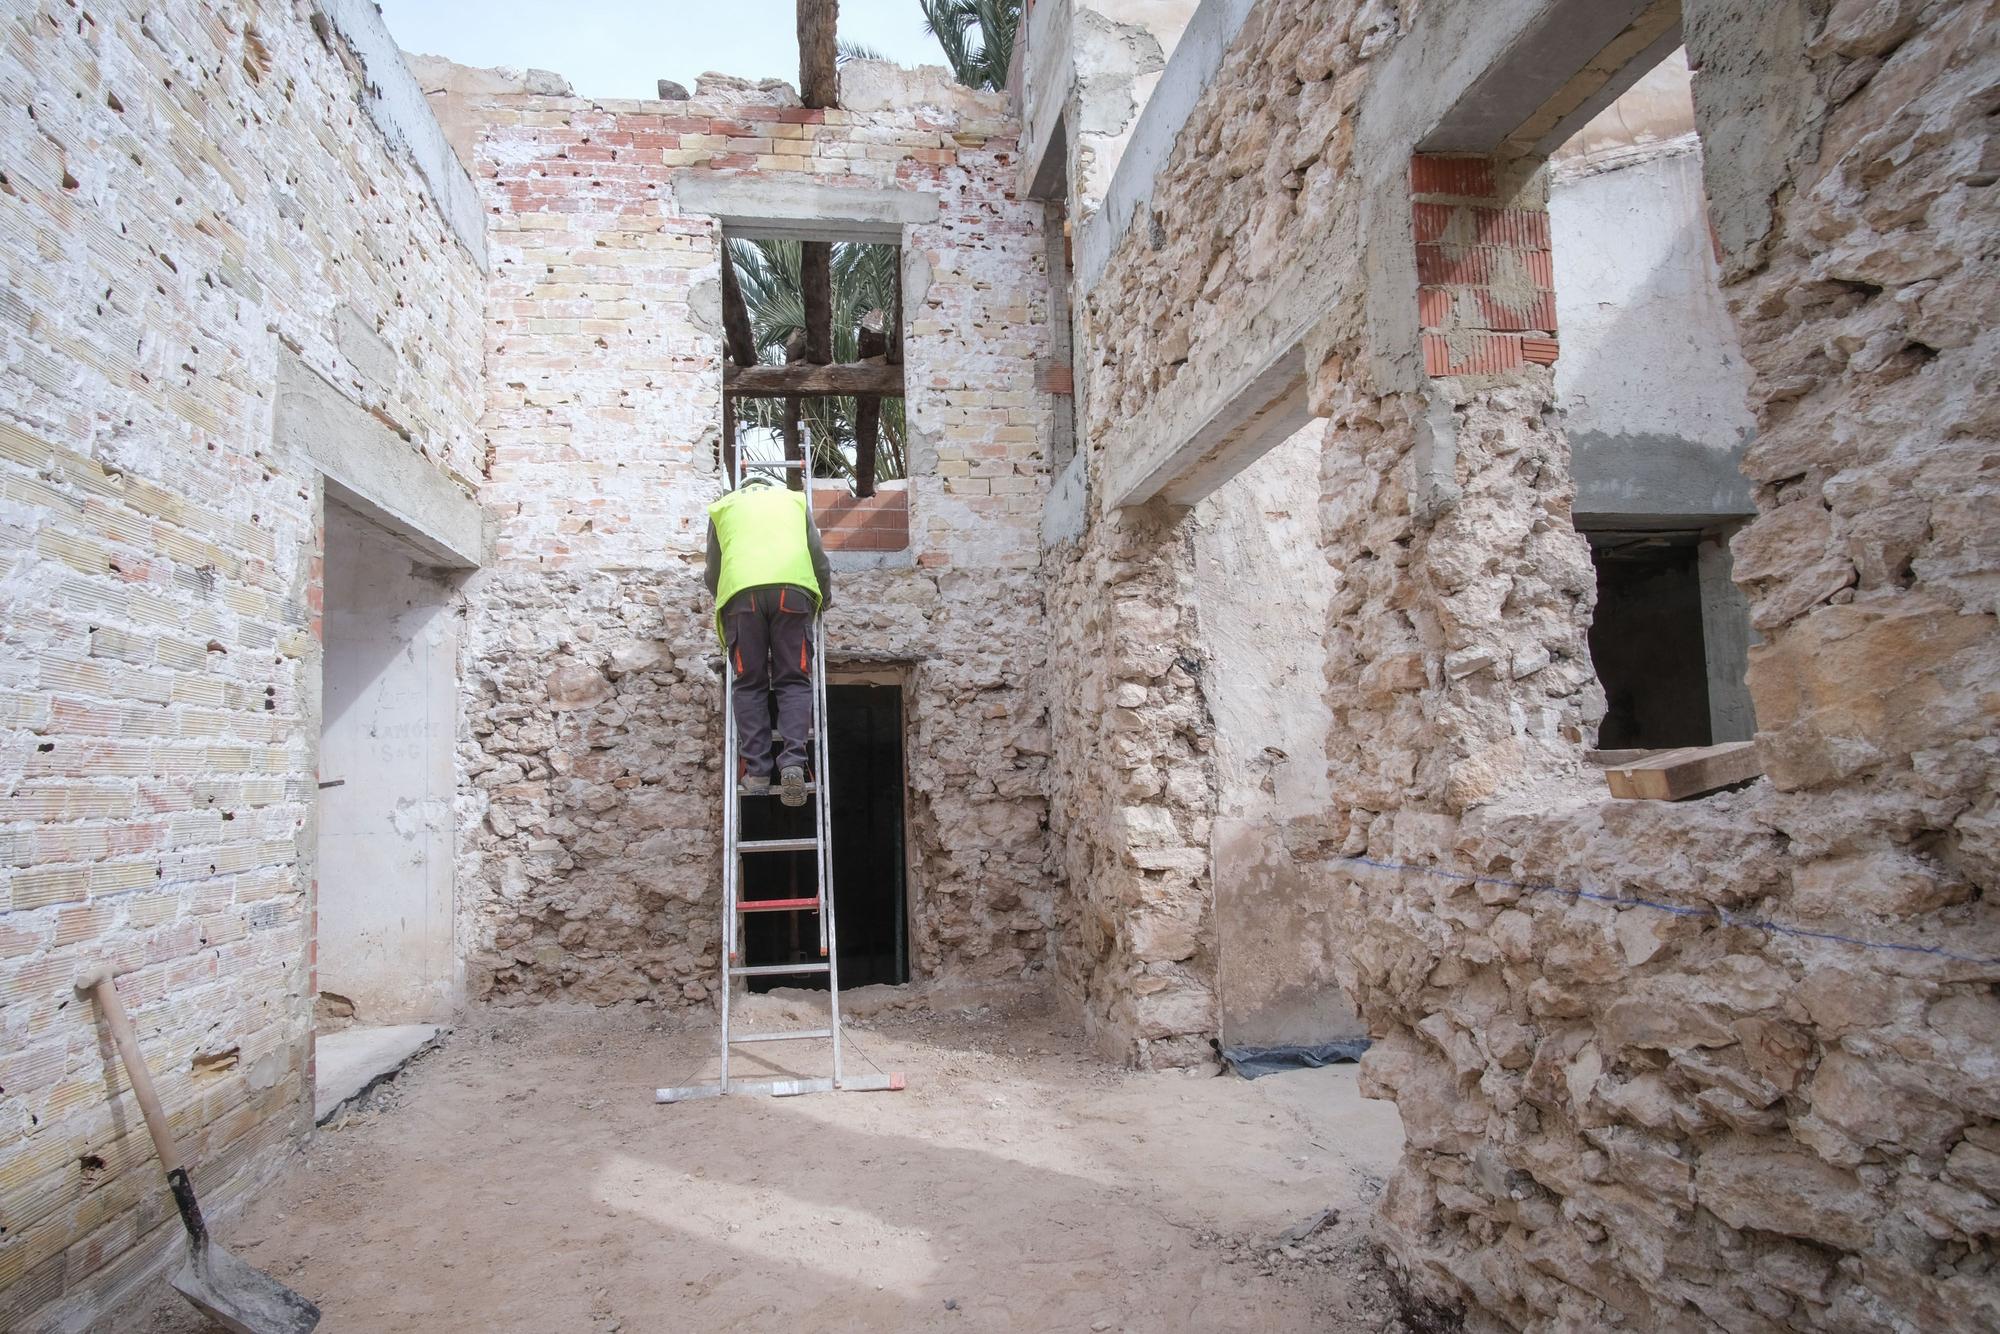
(873, 342)
(875, 376)
(1673, 775)
(736, 336)
(816, 284)
(896, 315)
(819, 73)
(728, 440)
(795, 478)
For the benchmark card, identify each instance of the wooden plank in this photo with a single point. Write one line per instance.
(1602, 758)
(1675, 775)
(874, 376)
(819, 74)
(816, 286)
(736, 336)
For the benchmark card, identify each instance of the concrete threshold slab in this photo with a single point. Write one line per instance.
(354, 1060)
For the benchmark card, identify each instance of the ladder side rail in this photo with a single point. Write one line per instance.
(730, 804)
(827, 921)
(823, 775)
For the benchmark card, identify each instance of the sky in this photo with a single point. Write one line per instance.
(623, 48)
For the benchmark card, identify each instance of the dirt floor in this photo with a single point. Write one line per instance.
(521, 1177)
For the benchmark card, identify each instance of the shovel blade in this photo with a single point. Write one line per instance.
(241, 1299)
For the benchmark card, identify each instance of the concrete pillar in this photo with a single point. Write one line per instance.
(1726, 638)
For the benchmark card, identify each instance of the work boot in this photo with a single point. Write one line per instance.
(792, 783)
(757, 785)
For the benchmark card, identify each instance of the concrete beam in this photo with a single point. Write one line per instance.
(1265, 406)
(1215, 419)
(800, 211)
(1566, 66)
(397, 105)
(1189, 70)
(1044, 62)
(374, 471)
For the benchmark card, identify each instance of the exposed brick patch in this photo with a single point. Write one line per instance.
(1485, 272)
(1433, 174)
(849, 523)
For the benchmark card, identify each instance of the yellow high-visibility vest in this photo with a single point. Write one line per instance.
(762, 533)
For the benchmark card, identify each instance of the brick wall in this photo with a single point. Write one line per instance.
(848, 523)
(591, 849)
(184, 196)
(1486, 297)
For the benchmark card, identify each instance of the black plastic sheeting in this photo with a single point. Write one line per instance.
(1256, 1062)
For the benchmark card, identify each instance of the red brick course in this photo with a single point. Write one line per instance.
(1486, 277)
(848, 523)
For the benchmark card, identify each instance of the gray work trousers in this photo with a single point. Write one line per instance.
(769, 633)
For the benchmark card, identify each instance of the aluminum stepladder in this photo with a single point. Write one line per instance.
(734, 906)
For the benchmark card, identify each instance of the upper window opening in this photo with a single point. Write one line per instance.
(813, 337)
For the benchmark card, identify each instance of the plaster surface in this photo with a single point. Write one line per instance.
(1652, 382)
(389, 705)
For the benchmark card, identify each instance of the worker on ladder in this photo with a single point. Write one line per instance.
(769, 575)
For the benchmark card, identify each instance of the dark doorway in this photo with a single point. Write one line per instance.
(1646, 641)
(865, 736)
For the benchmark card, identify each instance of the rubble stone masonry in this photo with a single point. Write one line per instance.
(188, 194)
(590, 844)
(1720, 1063)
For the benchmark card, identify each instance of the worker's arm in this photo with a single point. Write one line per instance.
(821, 570)
(712, 575)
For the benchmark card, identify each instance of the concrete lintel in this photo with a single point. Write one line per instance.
(397, 105)
(1264, 406)
(1615, 86)
(1561, 61)
(375, 472)
(1189, 70)
(854, 561)
(1045, 63)
(799, 211)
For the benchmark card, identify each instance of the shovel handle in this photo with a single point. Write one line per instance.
(97, 984)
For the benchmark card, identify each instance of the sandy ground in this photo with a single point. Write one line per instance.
(522, 1178)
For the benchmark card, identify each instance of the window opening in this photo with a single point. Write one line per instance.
(813, 338)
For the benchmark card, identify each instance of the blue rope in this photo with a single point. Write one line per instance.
(1722, 915)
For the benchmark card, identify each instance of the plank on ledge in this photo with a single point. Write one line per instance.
(1673, 775)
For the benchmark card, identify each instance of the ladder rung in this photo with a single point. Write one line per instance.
(772, 791)
(777, 905)
(782, 464)
(785, 1037)
(777, 969)
(778, 845)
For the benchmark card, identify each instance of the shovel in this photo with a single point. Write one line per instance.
(229, 1292)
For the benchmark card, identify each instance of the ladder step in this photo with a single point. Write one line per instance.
(780, 464)
(777, 969)
(777, 905)
(773, 791)
(778, 845)
(785, 1037)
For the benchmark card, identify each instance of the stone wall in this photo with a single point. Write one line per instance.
(189, 195)
(591, 845)
(1716, 1062)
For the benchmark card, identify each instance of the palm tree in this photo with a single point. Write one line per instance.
(977, 37)
(864, 284)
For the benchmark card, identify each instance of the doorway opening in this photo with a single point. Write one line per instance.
(865, 741)
(385, 940)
